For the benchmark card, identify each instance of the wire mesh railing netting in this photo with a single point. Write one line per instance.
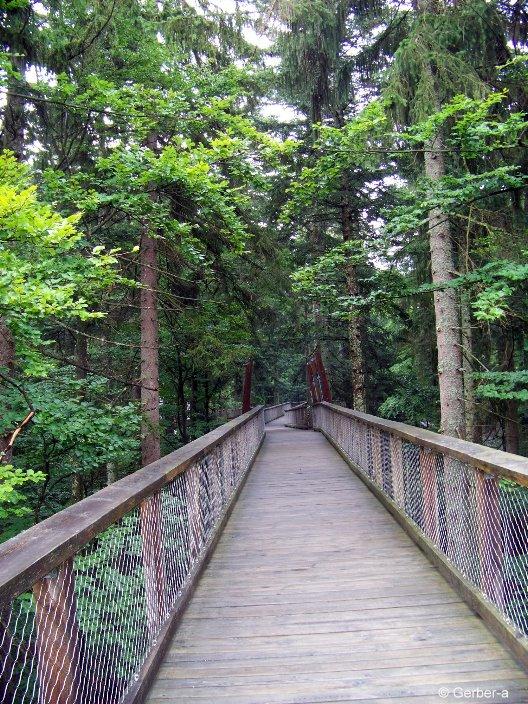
(477, 520)
(274, 412)
(299, 416)
(82, 634)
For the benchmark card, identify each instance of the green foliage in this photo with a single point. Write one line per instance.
(11, 498)
(446, 53)
(342, 150)
(476, 129)
(503, 385)
(76, 432)
(249, 214)
(44, 271)
(411, 399)
(499, 282)
(322, 281)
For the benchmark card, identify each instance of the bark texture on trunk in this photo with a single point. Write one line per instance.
(111, 476)
(447, 315)
(355, 322)
(150, 437)
(150, 441)
(149, 372)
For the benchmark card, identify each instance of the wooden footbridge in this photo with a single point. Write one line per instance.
(267, 564)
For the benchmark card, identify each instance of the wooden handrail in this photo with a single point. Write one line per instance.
(277, 405)
(497, 462)
(39, 550)
(303, 404)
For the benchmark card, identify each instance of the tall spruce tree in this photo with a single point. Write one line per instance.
(450, 49)
(316, 73)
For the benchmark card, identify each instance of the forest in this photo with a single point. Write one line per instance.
(188, 185)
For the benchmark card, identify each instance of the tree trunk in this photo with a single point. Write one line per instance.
(355, 321)
(449, 347)
(448, 337)
(447, 314)
(7, 348)
(77, 488)
(150, 438)
(110, 473)
(314, 227)
(150, 434)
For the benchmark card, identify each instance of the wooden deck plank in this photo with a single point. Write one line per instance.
(316, 595)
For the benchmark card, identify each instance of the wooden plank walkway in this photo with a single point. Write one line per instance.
(315, 594)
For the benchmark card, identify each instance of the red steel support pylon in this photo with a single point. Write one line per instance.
(317, 379)
(323, 379)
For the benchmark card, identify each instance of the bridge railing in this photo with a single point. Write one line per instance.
(89, 597)
(274, 412)
(465, 504)
(299, 416)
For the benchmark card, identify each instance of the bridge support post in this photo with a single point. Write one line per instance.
(192, 504)
(57, 637)
(377, 467)
(428, 473)
(489, 532)
(326, 394)
(398, 484)
(311, 373)
(456, 486)
(317, 378)
(153, 554)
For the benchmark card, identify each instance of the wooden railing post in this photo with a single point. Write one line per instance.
(489, 533)
(430, 494)
(377, 469)
(57, 637)
(153, 554)
(456, 501)
(398, 483)
(192, 501)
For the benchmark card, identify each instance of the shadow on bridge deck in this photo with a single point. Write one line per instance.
(315, 594)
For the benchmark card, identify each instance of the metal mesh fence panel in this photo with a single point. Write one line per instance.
(274, 412)
(299, 416)
(477, 520)
(83, 633)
